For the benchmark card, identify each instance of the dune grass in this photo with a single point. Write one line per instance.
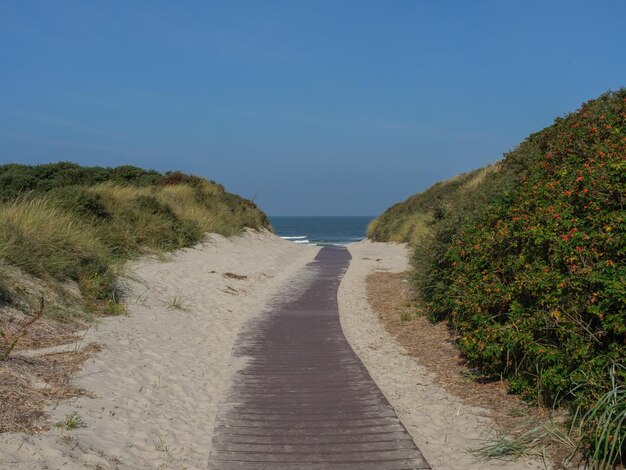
(42, 239)
(82, 224)
(602, 426)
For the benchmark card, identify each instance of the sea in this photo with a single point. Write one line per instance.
(321, 230)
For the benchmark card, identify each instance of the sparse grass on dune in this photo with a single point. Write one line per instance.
(418, 217)
(105, 225)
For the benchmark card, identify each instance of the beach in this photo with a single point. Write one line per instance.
(156, 383)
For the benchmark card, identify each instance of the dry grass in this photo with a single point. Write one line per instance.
(28, 384)
(239, 277)
(12, 333)
(230, 290)
(204, 204)
(414, 221)
(433, 345)
(181, 198)
(43, 334)
(63, 316)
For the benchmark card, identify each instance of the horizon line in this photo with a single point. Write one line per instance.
(292, 215)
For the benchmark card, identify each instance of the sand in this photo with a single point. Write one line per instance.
(158, 379)
(160, 375)
(442, 426)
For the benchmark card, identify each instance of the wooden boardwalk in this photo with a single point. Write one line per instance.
(304, 400)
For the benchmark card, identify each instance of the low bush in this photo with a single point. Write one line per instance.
(537, 287)
(16, 179)
(529, 265)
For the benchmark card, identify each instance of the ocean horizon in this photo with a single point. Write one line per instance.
(321, 230)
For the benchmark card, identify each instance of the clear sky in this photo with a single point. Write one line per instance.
(321, 107)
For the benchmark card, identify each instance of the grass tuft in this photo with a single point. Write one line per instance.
(509, 447)
(406, 315)
(71, 422)
(603, 426)
(178, 302)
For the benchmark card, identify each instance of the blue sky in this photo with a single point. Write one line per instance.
(321, 107)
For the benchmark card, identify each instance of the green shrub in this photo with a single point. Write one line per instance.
(71, 422)
(428, 221)
(15, 179)
(526, 260)
(537, 286)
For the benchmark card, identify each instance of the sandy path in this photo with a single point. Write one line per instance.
(158, 379)
(442, 426)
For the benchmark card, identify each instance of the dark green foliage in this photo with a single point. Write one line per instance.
(16, 179)
(174, 233)
(6, 297)
(152, 206)
(529, 266)
(82, 202)
(538, 285)
(173, 178)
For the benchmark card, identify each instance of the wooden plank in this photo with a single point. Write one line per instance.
(304, 400)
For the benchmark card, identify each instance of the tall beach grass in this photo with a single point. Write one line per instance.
(86, 230)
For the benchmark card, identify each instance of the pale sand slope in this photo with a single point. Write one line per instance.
(442, 426)
(159, 377)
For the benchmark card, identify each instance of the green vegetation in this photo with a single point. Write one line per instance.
(602, 426)
(508, 447)
(413, 220)
(16, 179)
(526, 260)
(178, 302)
(72, 422)
(63, 222)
